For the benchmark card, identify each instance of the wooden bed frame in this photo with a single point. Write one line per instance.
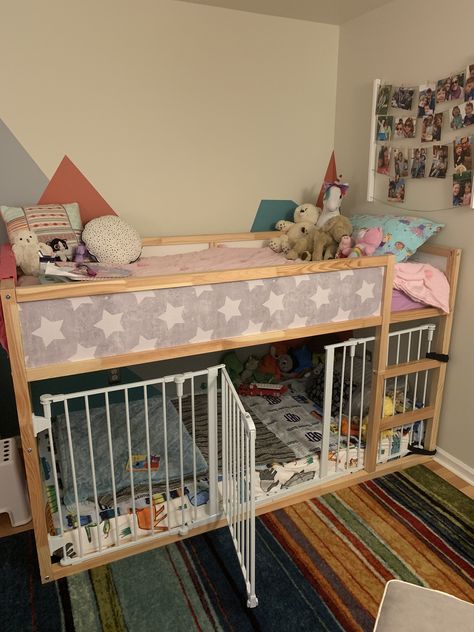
(13, 295)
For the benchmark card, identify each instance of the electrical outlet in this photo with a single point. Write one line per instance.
(114, 376)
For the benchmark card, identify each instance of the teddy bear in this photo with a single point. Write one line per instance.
(27, 250)
(326, 242)
(366, 242)
(305, 216)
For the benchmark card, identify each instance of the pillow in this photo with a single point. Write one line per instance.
(402, 236)
(111, 240)
(48, 222)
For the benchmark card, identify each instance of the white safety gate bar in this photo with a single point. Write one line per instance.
(408, 392)
(238, 481)
(165, 515)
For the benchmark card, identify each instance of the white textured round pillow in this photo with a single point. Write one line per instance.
(111, 240)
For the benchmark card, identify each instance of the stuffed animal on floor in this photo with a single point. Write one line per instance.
(305, 217)
(366, 242)
(27, 250)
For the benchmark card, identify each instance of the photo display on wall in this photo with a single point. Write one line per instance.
(415, 133)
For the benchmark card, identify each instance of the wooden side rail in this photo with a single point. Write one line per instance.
(406, 419)
(410, 367)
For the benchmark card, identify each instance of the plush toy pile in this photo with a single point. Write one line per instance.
(323, 234)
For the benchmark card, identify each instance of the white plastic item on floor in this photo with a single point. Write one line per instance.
(13, 495)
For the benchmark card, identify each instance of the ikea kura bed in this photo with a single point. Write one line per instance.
(120, 469)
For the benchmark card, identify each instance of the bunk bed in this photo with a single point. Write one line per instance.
(322, 295)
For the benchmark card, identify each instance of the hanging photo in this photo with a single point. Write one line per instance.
(462, 154)
(437, 126)
(456, 118)
(383, 160)
(418, 162)
(443, 88)
(462, 188)
(469, 84)
(427, 128)
(440, 161)
(396, 190)
(456, 90)
(383, 99)
(467, 113)
(399, 131)
(384, 127)
(403, 98)
(426, 99)
(401, 162)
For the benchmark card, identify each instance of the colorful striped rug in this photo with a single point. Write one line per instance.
(321, 565)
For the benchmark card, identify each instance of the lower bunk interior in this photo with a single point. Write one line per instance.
(129, 456)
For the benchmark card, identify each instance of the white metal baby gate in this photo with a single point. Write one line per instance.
(351, 362)
(150, 495)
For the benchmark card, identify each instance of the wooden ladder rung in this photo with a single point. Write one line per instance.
(405, 419)
(410, 367)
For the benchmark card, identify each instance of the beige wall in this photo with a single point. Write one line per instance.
(183, 116)
(407, 42)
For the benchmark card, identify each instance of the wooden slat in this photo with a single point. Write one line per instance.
(182, 351)
(443, 340)
(405, 419)
(138, 284)
(24, 408)
(379, 365)
(208, 238)
(405, 368)
(415, 314)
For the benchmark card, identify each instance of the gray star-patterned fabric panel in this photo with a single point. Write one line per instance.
(83, 328)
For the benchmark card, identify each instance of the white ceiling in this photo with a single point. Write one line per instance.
(324, 11)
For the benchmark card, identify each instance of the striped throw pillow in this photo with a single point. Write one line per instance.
(48, 222)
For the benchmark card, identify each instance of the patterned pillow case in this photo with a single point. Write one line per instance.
(402, 235)
(48, 222)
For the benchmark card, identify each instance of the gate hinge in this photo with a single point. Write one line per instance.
(40, 424)
(57, 543)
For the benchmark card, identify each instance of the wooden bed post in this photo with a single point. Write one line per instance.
(379, 366)
(444, 330)
(28, 439)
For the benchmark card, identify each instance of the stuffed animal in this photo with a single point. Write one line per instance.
(332, 199)
(366, 242)
(233, 366)
(327, 242)
(27, 250)
(60, 249)
(305, 216)
(268, 369)
(250, 366)
(345, 247)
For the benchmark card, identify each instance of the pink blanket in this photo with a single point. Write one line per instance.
(208, 260)
(423, 283)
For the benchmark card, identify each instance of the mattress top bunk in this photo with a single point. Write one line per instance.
(196, 291)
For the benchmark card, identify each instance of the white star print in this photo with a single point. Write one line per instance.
(255, 283)
(252, 328)
(172, 315)
(109, 323)
(49, 330)
(230, 308)
(144, 344)
(202, 335)
(82, 353)
(321, 297)
(366, 291)
(275, 302)
(80, 300)
(199, 289)
(300, 278)
(345, 273)
(298, 321)
(341, 315)
(141, 296)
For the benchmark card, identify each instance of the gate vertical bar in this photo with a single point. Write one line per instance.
(212, 432)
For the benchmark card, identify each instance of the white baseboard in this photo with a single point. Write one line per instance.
(455, 465)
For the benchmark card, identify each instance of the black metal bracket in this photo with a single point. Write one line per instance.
(441, 357)
(417, 450)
